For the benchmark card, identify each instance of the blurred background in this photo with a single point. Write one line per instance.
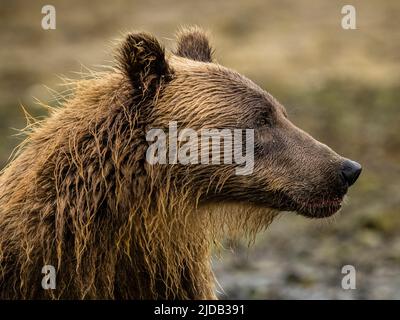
(342, 86)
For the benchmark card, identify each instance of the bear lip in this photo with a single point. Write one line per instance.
(319, 208)
(315, 208)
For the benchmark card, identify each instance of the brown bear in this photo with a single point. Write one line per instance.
(81, 196)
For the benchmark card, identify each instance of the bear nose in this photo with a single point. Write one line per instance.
(351, 171)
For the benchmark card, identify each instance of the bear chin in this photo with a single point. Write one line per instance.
(318, 208)
(319, 212)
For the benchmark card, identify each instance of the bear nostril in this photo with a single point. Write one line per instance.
(351, 171)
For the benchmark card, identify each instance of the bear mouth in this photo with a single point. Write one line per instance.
(319, 209)
(312, 207)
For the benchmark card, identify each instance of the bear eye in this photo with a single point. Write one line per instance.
(263, 120)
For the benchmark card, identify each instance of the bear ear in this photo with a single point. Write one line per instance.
(142, 58)
(192, 43)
